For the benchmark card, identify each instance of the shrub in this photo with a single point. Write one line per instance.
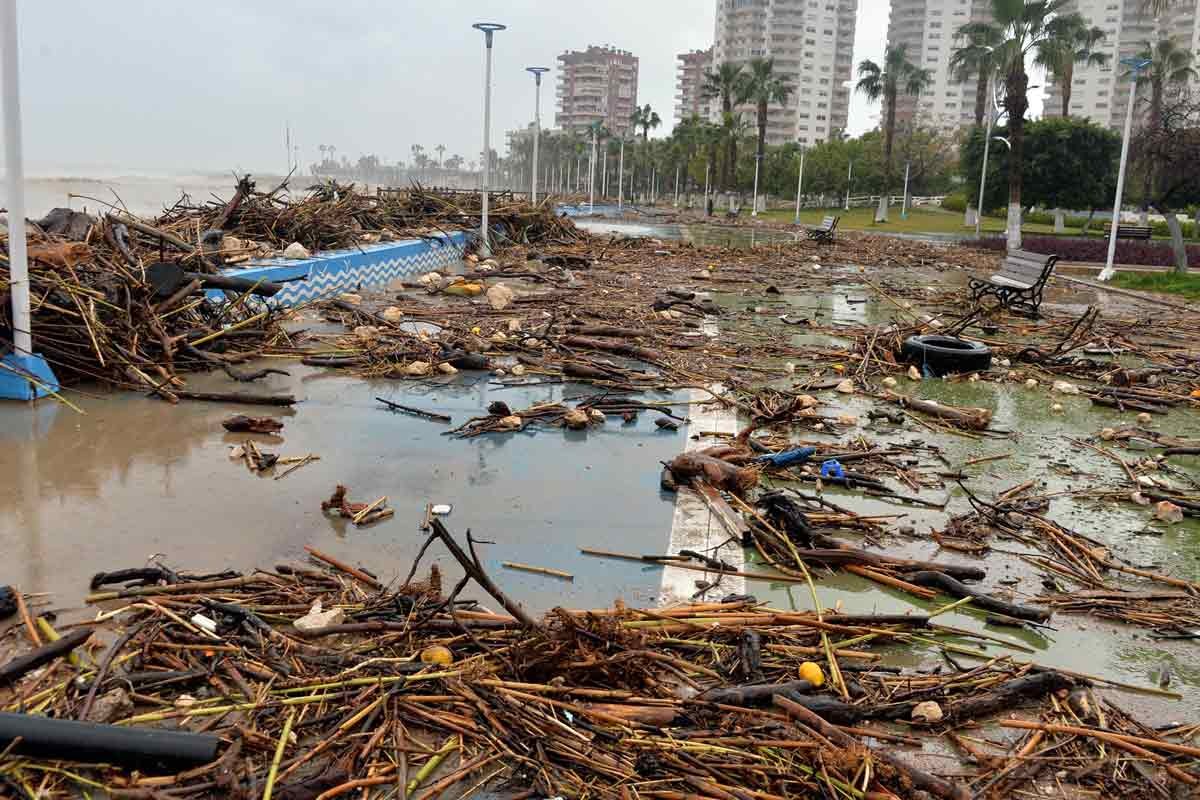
(1075, 248)
(955, 202)
(1159, 228)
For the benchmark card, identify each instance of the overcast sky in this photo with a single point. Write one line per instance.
(131, 85)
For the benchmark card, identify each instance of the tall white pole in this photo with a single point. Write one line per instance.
(1108, 270)
(592, 175)
(677, 186)
(987, 141)
(652, 188)
(754, 208)
(621, 177)
(537, 125)
(18, 263)
(799, 187)
(904, 203)
(849, 177)
(604, 172)
(488, 29)
(707, 169)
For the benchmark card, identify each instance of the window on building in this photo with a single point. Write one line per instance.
(821, 116)
(810, 41)
(1101, 105)
(806, 91)
(822, 81)
(822, 105)
(935, 23)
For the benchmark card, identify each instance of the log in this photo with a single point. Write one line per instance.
(919, 779)
(150, 230)
(850, 555)
(13, 670)
(1008, 695)
(753, 693)
(433, 415)
(954, 588)
(975, 419)
(238, 397)
(90, 742)
(619, 348)
(605, 330)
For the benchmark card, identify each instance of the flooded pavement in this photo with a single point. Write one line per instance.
(135, 477)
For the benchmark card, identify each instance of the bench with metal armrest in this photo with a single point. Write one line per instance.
(824, 232)
(1019, 282)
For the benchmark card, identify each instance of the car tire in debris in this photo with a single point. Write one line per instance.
(945, 354)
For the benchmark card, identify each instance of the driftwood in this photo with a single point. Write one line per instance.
(619, 348)
(420, 412)
(688, 467)
(43, 655)
(954, 588)
(753, 693)
(919, 779)
(238, 397)
(975, 419)
(243, 424)
(1008, 695)
(850, 555)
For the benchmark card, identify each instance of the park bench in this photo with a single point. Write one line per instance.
(824, 231)
(1129, 231)
(1019, 282)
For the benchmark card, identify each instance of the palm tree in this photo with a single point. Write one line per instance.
(1023, 28)
(645, 118)
(976, 58)
(1071, 42)
(897, 75)
(728, 83)
(1169, 64)
(441, 149)
(762, 88)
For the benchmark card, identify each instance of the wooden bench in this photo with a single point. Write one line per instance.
(1019, 282)
(1129, 231)
(824, 232)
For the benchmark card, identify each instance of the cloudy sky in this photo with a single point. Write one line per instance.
(126, 84)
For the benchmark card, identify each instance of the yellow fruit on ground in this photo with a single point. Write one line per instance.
(812, 673)
(437, 654)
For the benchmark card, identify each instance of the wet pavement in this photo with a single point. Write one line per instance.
(135, 477)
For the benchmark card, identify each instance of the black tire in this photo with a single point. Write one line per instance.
(946, 354)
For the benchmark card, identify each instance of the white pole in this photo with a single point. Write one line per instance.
(604, 172)
(18, 263)
(799, 186)
(677, 186)
(592, 176)
(987, 141)
(488, 29)
(757, 162)
(621, 177)
(849, 176)
(1108, 270)
(904, 204)
(707, 168)
(652, 189)
(537, 125)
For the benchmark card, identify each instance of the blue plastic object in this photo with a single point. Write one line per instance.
(788, 457)
(26, 377)
(832, 469)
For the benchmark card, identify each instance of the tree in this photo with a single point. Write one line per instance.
(1024, 29)
(897, 75)
(1170, 66)
(441, 150)
(1071, 42)
(763, 87)
(977, 57)
(1174, 150)
(645, 118)
(728, 83)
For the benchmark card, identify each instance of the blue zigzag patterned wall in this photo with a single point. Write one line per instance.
(335, 271)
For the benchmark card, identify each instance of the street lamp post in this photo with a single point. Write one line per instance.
(707, 169)
(757, 164)
(799, 187)
(904, 203)
(987, 141)
(621, 177)
(849, 179)
(1136, 65)
(488, 29)
(592, 174)
(537, 73)
(677, 186)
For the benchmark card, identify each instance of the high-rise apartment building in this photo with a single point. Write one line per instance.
(927, 28)
(689, 83)
(1101, 94)
(812, 42)
(597, 84)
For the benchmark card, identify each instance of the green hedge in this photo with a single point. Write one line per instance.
(955, 202)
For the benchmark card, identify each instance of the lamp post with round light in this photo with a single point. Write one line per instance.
(537, 73)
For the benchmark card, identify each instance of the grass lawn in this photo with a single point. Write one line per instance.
(1168, 282)
(920, 220)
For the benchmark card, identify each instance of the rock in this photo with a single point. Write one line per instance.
(845, 387)
(316, 619)
(471, 258)
(806, 401)
(889, 382)
(513, 325)
(510, 423)
(847, 419)
(499, 373)
(430, 279)
(810, 258)
(596, 415)
(418, 369)
(1003, 362)
(447, 369)
(1168, 512)
(1031, 382)
(1139, 498)
(913, 374)
(296, 250)
(366, 333)
(111, 706)
(789, 368)
(1064, 387)
(529, 341)
(392, 314)
(575, 419)
(351, 298)
(499, 336)
(1144, 418)
(928, 712)
(1056, 408)
(499, 297)
(1107, 434)
(491, 262)
(518, 370)
(464, 289)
